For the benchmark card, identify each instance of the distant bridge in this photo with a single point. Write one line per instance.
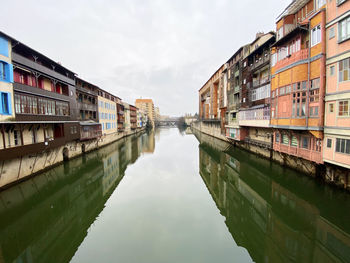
(167, 122)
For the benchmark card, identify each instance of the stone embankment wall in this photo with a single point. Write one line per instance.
(326, 172)
(16, 170)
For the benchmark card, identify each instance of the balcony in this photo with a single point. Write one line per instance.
(86, 91)
(262, 61)
(306, 154)
(31, 64)
(86, 106)
(297, 56)
(287, 29)
(259, 82)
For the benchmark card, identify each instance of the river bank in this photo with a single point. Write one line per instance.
(16, 170)
(328, 173)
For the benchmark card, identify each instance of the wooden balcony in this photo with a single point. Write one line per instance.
(87, 106)
(295, 57)
(31, 64)
(264, 60)
(313, 156)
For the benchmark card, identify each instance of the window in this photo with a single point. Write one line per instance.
(33, 133)
(260, 93)
(315, 83)
(280, 33)
(343, 109)
(294, 141)
(277, 137)
(332, 71)
(299, 104)
(273, 59)
(17, 137)
(344, 29)
(2, 71)
(331, 33)
(342, 146)
(285, 139)
(329, 143)
(288, 89)
(320, 3)
(314, 95)
(6, 72)
(5, 103)
(313, 111)
(282, 91)
(331, 107)
(316, 35)
(305, 142)
(344, 70)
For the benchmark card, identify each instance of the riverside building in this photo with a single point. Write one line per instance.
(38, 101)
(336, 142)
(298, 80)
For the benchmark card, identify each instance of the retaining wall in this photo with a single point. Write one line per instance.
(16, 170)
(328, 173)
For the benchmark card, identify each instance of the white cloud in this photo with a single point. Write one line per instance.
(161, 49)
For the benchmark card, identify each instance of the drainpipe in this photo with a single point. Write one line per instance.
(308, 79)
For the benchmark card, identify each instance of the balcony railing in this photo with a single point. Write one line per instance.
(287, 29)
(262, 60)
(261, 81)
(31, 64)
(307, 154)
(236, 89)
(300, 55)
(85, 90)
(86, 106)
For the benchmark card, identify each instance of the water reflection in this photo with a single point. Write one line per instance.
(46, 218)
(277, 215)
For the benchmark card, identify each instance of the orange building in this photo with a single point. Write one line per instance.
(298, 80)
(337, 99)
(209, 97)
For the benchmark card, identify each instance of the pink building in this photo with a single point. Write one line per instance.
(337, 112)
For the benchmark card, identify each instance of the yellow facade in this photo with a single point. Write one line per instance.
(107, 110)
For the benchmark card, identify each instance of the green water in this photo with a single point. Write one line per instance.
(169, 196)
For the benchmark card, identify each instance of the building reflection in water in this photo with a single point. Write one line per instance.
(45, 218)
(275, 214)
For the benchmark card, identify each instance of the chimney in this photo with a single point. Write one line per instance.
(259, 34)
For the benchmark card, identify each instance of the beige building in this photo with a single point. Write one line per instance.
(6, 79)
(107, 110)
(147, 106)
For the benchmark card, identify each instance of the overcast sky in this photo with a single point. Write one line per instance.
(160, 49)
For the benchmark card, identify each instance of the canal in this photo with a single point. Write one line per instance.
(173, 196)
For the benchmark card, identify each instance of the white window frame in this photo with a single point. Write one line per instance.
(344, 26)
(316, 36)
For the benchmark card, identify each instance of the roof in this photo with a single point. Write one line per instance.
(292, 8)
(235, 54)
(36, 52)
(221, 67)
(77, 78)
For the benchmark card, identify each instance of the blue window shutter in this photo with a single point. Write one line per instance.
(10, 73)
(4, 47)
(1, 102)
(9, 102)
